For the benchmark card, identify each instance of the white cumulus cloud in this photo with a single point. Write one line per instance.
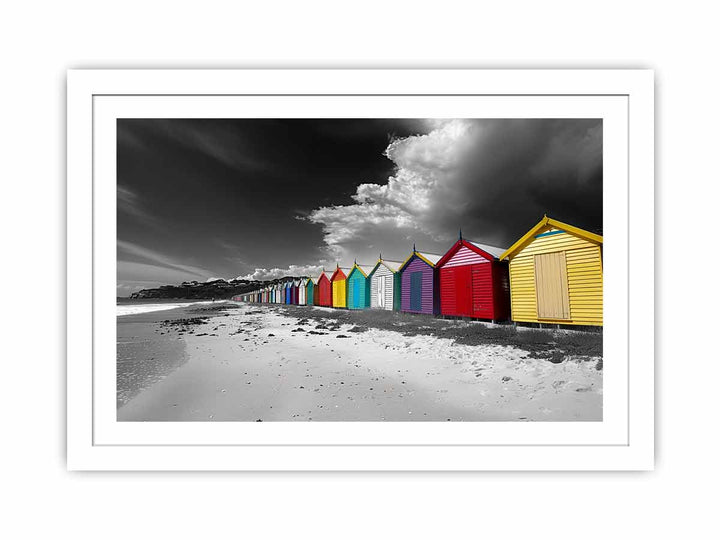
(266, 274)
(491, 177)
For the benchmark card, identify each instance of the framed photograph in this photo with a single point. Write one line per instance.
(360, 270)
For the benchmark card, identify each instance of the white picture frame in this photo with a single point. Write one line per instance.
(624, 440)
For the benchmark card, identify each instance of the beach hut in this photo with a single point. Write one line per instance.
(419, 284)
(339, 287)
(295, 291)
(556, 275)
(302, 292)
(474, 282)
(323, 290)
(358, 287)
(310, 291)
(287, 289)
(278, 293)
(385, 285)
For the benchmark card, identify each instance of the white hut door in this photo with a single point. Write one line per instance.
(381, 292)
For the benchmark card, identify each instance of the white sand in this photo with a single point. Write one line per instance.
(375, 375)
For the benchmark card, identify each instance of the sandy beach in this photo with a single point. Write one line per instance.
(250, 362)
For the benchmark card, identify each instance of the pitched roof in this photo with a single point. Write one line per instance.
(486, 251)
(345, 270)
(430, 258)
(393, 266)
(492, 250)
(548, 223)
(364, 269)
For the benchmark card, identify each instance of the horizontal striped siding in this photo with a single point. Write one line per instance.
(465, 256)
(448, 292)
(482, 291)
(389, 288)
(427, 298)
(357, 282)
(584, 268)
(309, 293)
(339, 293)
(324, 291)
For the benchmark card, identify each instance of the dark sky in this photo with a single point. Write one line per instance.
(207, 198)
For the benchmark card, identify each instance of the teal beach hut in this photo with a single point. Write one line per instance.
(358, 287)
(310, 291)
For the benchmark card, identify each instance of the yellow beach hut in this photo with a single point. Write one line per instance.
(556, 275)
(339, 286)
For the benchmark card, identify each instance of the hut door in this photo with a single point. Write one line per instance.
(416, 291)
(482, 296)
(381, 292)
(551, 285)
(463, 287)
(355, 292)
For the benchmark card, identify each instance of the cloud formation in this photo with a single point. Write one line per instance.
(141, 267)
(266, 274)
(492, 178)
(129, 202)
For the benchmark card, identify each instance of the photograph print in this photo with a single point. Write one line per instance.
(359, 269)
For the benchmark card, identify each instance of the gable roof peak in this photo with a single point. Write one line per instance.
(550, 222)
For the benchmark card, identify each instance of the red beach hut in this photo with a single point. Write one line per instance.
(294, 293)
(323, 292)
(474, 282)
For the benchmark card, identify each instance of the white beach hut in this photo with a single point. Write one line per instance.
(385, 285)
(278, 293)
(302, 296)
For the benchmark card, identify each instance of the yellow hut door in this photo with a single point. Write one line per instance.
(551, 285)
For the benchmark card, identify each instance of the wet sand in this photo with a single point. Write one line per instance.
(246, 362)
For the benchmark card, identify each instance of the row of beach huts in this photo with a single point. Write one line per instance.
(552, 275)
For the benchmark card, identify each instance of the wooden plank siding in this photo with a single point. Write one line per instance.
(323, 291)
(358, 291)
(423, 298)
(339, 287)
(339, 293)
(583, 261)
(302, 289)
(551, 285)
(382, 272)
(465, 256)
(309, 292)
(473, 282)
